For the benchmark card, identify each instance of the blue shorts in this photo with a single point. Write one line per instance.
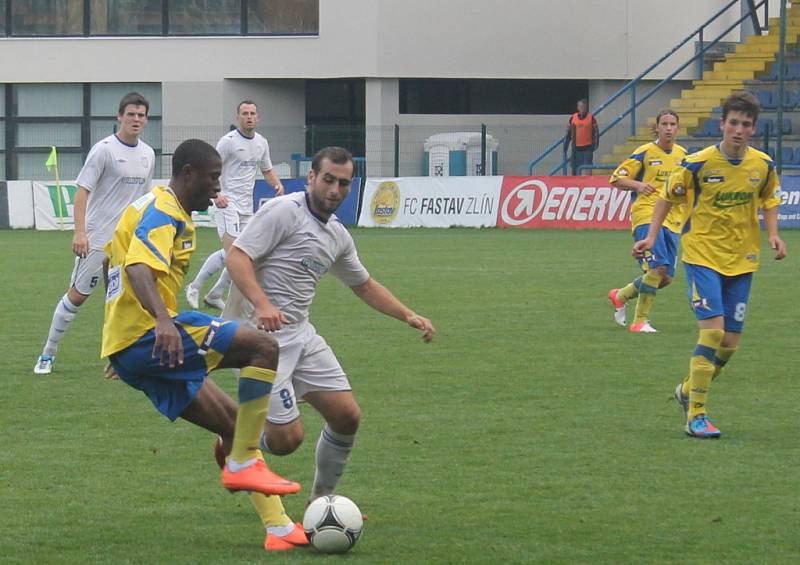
(664, 252)
(171, 389)
(712, 294)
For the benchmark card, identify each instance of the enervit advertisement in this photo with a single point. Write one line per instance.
(562, 202)
(434, 202)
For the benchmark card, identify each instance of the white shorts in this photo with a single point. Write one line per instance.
(87, 271)
(230, 221)
(306, 364)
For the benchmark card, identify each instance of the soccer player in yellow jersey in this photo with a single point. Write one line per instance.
(644, 173)
(723, 187)
(167, 355)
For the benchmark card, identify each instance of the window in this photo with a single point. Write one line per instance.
(486, 96)
(205, 17)
(46, 17)
(158, 17)
(335, 114)
(283, 17)
(126, 17)
(72, 117)
(40, 100)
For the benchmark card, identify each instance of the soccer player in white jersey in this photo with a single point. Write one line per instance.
(276, 264)
(244, 152)
(117, 171)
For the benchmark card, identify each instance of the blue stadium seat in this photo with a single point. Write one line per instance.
(710, 129)
(787, 155)
(694, 149)
(796, 159)
(761, 125)
(772, 75)
(765, 99)
(787, 126)
(792, 71)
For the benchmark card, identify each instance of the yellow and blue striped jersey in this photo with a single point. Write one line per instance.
(156, 231)
(651, 164)
(722, 198)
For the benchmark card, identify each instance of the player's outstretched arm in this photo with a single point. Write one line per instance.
(243, 274)
(168, 346)
(381, 299)
(775, 242)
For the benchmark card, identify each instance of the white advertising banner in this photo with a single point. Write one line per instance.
(20, 204)
(52, 212)
(431, 202)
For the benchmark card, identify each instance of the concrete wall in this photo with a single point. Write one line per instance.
(613, 39)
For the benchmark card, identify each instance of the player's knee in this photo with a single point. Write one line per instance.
(264, 352)
(76, 297)
(283, 440)
(665, 281)
(347, 420)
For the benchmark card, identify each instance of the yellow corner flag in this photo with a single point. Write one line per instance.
(52, 160)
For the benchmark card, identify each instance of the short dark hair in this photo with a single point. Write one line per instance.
(133, 98)
(584, 100)
(193, 152)
(743, 102)
(242, 103)
(337, 155)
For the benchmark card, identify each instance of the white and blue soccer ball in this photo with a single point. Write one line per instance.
(333, 523)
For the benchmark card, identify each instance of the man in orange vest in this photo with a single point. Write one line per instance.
(582, 131)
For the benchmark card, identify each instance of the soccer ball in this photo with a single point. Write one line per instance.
(333, 523)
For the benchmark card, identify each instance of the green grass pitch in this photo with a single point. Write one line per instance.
(532, 430)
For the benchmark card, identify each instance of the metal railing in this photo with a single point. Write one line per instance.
(632, 84)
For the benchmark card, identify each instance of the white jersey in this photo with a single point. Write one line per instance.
(242, 158)
(115, 174)
(291, 249)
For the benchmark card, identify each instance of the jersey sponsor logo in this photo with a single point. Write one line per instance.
(753, 257)
(713, 179)
(662, 175)
(655, 162)
(755, 177)
(732, 199)
(385, 203)
(132, 180)
(249, 163)
(313, 265)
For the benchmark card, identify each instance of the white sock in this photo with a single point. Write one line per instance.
(221, 286)
(332, 452)
(62, 318)
(212, 264)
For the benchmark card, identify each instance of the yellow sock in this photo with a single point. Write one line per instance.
(701, 370)
(255, 384)
(629, 291)
(723, 356)
(647, 294)
(270, 509)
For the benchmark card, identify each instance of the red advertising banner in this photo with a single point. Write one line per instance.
(562, 202)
